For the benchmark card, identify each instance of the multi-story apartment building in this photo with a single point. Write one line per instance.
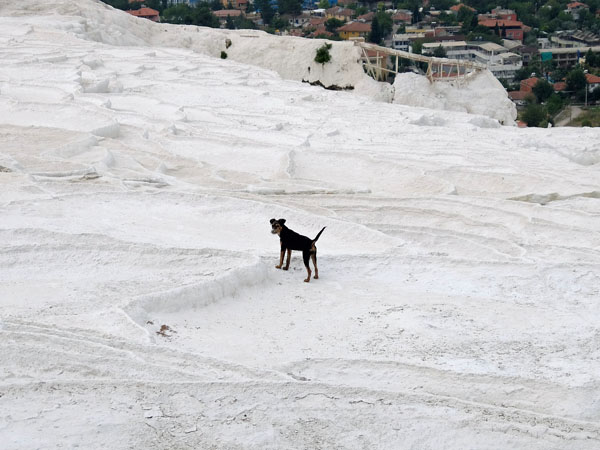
(401, 42)
(501, 62)
(568, 57)
(576, 38)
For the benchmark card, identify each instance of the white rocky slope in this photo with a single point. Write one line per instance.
(477, 93)
(292, 58)
(457, 304)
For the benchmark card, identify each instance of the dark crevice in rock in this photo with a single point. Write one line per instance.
(332, 87)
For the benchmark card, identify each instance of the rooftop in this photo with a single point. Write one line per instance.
(223, 13)
(592, 79)
(492, 47)
(574, 5)
(518, 95)
(500, 22)
(143, 12)
(446, 44)
(359, 27)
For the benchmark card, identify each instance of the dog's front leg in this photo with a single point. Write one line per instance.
(280, 258)
(287, 262)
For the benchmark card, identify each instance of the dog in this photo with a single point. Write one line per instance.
(290, 240)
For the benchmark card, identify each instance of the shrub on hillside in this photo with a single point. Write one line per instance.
(535, 115)
(323, 55)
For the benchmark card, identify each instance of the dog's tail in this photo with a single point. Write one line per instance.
(315, 239)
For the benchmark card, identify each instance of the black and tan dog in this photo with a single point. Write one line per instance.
(290, 240)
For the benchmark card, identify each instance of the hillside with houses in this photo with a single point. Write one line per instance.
(521, 43)
(153, 175)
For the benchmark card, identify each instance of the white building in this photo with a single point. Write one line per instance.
(501, 62)
(544, 43)
(401, 42)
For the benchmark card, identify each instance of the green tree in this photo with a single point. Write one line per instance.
(333, 24)
(483, 35)
(592, 59)
(187, 15)
(416, 14)
(375, 34)
(242, 23)
(203, 16)
(447, 19)
(279, 23)
(417, 46)
(505, 84)
(497, 29)
(179, 14)
(135, 5)
(327, 36)
(324, 4)
(360, 10)
(549, 11)
(464, 14)
(534, 115)
(293, 7)
(554, 104)
(118, 4)
(542, 90)
(229, 23)
(266, 10)
(439, 52)
(154, 4)
(533, 69)
(576, 79)
(441, 5)
(522, 73)
(386, 23)
(469, 22)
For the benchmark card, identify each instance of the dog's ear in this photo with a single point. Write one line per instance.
(272, 221)
(281, 221)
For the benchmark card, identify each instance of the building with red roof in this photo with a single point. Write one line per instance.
(354, 30)
(456, 8)
(519, 97)
(509, 29)
(528, 84)
(223, 14)
(145, 13)
(402, 16)
(368, 17)
(575, 9)
(560, 86)
(576, 5)
(593, 81)
(336, 12)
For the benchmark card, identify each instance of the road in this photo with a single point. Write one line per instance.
(567, 115)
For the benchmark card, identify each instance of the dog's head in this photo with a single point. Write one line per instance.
(277, 225)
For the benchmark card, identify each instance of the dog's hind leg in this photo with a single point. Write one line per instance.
(287, 262)
(313, 256)
(306, 256)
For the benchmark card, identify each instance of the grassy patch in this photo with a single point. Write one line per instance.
(590, 117)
